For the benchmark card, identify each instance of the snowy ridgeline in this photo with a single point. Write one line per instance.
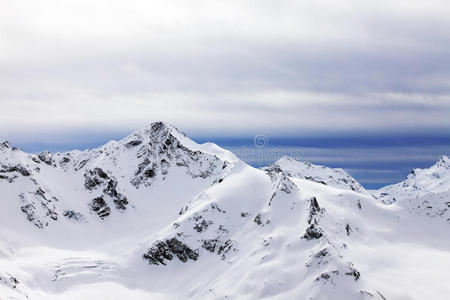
(157, 216)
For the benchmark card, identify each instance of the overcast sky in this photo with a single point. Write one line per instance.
(224, 67)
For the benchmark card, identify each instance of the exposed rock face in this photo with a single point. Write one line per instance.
(314, 210)
(353, 273)
(70, 214)
(202, 226)
(163, 151)
(97, 178)
(100, 207)
(217, 246)
(258, 219)
(312, 232)
(38, 208)
(46, 157)
(20, 169)
(166, 250)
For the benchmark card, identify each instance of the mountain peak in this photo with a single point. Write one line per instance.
(156, 131)
(159, 126)
(418, 185)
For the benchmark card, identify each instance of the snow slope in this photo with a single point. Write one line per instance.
(424, 191)
(317, 173)
(157, 216)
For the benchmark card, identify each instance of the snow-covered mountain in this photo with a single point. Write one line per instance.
(425, 191)
(320, 174)
(157, 216)
(111, 179)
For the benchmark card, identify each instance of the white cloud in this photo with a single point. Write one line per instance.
(210, 66)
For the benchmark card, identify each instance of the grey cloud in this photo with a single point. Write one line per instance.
(282, 66)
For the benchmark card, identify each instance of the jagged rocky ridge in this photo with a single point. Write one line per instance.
(210, 225)
(103, 176)
(156, 215)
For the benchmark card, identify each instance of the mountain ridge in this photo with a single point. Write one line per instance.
(156, 215)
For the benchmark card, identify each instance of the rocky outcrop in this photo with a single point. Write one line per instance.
(98, 179)
(162, 251)
(313, 231)
(47, 158)
(38, 207)
(100, 207)
(219, 247)
(73, 215)
(164, 151)
(20, 169)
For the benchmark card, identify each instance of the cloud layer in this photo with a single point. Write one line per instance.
(224, 67)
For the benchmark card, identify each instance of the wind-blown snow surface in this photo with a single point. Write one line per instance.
(157, 216)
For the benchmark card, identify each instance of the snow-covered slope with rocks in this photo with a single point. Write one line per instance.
(106, 182)
(424, 191)
(157, 216)
(317, 173)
